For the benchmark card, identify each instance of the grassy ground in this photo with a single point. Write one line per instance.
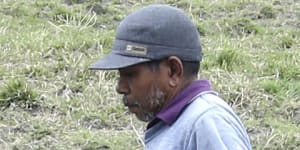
(50, 100)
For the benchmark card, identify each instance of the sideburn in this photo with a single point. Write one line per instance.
(154, 102)
(156, 99)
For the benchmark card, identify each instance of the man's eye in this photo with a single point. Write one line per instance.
(128, 74)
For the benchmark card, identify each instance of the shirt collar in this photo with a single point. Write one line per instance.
(170, 113)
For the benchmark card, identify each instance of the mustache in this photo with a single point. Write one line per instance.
(127, 103)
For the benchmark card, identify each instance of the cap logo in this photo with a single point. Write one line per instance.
(136, 50)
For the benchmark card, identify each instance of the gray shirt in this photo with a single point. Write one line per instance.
(207, 123)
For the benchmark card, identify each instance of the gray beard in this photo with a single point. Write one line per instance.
(155, 101)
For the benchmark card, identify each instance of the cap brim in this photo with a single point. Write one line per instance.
(114, 61)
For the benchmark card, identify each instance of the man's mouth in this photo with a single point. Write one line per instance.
(129, 104)
(132, 108)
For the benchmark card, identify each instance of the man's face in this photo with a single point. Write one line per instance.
(142, 90)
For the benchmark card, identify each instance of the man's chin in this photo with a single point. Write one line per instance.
(133, 109)
(145, 117)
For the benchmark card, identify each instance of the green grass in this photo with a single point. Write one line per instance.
(50, 100)
(16, 92)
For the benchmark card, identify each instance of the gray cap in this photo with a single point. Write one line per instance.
(152, 33)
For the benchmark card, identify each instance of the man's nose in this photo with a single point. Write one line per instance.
(122, 87)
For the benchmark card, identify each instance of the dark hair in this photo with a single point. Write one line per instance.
(190, 68)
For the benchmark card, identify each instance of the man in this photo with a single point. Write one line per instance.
(157, 52)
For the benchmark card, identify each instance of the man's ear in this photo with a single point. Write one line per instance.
(175, 70)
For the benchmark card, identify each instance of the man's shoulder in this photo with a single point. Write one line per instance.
(206, 116)
(204, 103)
(202, 106)
(195, 109)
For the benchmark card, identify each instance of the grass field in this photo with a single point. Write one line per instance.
(50, 100)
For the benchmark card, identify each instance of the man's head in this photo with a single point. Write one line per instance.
(157, 52)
